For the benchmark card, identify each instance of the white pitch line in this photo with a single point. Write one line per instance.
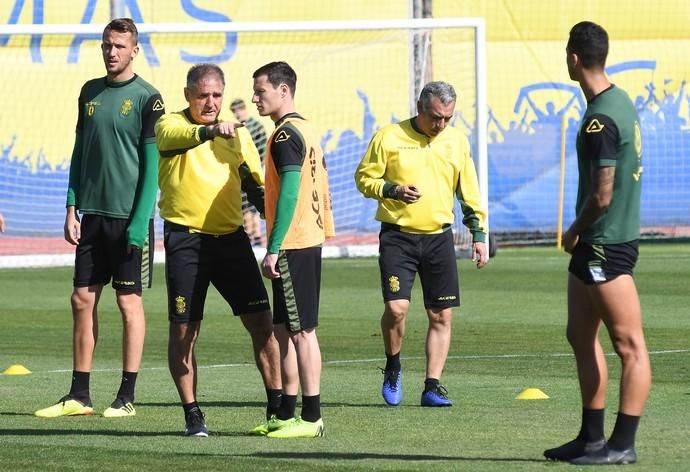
(378, 359)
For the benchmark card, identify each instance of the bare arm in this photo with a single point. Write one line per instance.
(597, 203)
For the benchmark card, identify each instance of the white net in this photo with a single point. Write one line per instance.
(351, 80)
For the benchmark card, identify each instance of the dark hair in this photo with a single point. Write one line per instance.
(278, 73)
(591, 44)
(199, 71)
(441, 90)
(123, 25)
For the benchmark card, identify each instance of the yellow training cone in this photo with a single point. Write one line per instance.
(532, 394)
(16, 369)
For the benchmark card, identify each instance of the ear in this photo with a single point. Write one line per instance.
(187, 94)
(135, 51)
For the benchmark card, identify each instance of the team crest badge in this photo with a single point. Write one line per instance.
(594, 126)
(126, 107)
(282, 136)
(91, 107)
(180, 305)
(394, 283)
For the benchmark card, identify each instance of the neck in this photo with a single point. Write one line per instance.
(593, 83)
(284, 110)
(121, 76)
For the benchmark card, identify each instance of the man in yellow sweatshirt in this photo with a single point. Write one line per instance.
(204, 164)
(414, 169)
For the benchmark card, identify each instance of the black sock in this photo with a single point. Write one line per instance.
(393, 361)
(187, 407)
(288, 403)
(311, 408)
(126, 391)
(273, 398)
(623, 436)
(80, 387)
(430, 384)
(592, 428)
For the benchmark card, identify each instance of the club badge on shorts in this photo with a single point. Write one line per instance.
(393, 283)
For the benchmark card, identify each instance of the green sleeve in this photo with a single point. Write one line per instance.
(145, 198)
(74, 173)
(287, 202)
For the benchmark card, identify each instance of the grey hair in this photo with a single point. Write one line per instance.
(439, 89)
(200, 71)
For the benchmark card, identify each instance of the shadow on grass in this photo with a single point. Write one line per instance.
(261, 404)
(117, 433)
(352, 456)
(84, 432)
(379, 456)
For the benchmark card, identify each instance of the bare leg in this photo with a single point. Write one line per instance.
(582, 332)
(618, 302)
(84, 303)
(181, 358)
(133, 331)
(308, 361)
(288, 361)
(393, 324)
(266, 349)
(438, 340)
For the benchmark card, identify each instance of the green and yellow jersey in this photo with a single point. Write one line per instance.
(610, 136)
(441, 168)
(200, 178)
(113, 168)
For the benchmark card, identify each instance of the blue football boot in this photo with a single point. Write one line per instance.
(436, 397)
(391, 391)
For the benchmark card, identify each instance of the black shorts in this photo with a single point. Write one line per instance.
(402, 255)
(596, 263)
(102, 255)
(296, 293)
(195, 260)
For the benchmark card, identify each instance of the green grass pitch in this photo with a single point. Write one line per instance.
(508, 336)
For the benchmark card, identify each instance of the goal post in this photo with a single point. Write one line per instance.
(353, 77)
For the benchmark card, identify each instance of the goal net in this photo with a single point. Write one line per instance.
(353, 77)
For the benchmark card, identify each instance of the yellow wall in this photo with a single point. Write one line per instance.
(526, 46)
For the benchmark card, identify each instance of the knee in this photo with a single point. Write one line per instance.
(181, 337)
(571, 336)
(629, 348)
(258, 324)
(129, 304)
(440, 318)
(580, 337)
(395, 313)
(303, 336)
(80, 301)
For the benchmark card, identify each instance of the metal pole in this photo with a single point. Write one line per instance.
(117, 9)
(421, 69)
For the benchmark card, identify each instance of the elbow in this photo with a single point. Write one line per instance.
(601, 202)
(360, 186)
